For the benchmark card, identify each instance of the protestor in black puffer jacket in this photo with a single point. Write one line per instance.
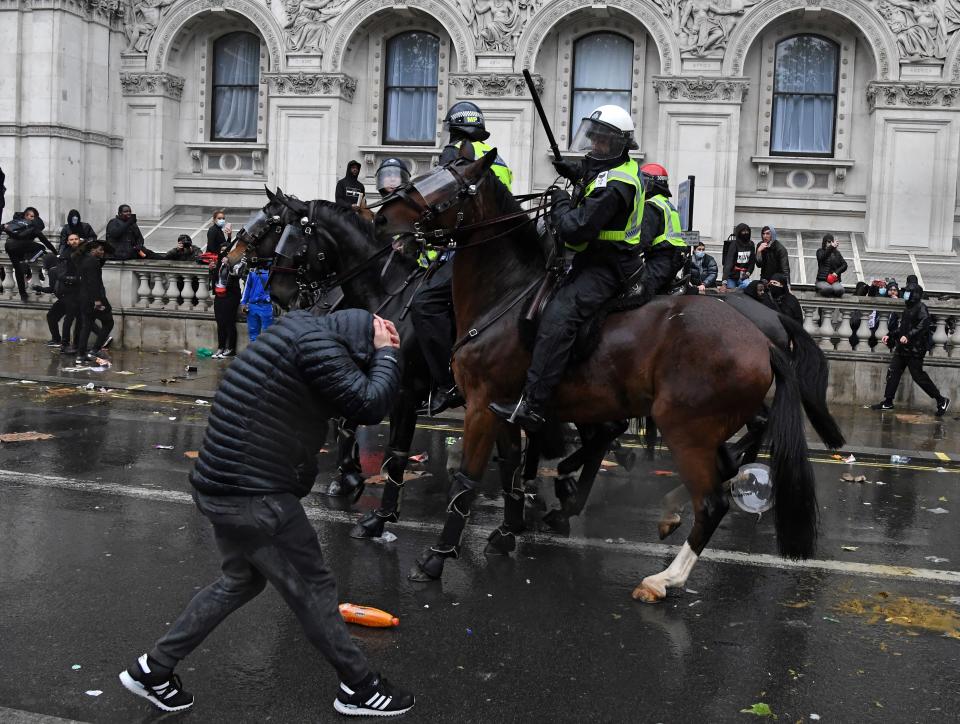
(256, 461)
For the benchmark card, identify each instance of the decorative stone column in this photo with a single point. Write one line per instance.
(699, 136)
(152, 102)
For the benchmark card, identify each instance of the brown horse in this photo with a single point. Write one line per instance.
(660, 360)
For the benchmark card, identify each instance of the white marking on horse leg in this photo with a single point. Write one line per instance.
(676, 573)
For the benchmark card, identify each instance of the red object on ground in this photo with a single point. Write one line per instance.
(367, 616)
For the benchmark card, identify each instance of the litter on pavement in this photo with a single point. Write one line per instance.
(24, 436)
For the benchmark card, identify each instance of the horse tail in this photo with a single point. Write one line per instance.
(795, 512)
(813, 373)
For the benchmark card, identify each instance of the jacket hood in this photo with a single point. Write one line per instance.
(346, 171)
(740, 227)
(915, 292)
(773, 232)
(72, 213)
(355, 329)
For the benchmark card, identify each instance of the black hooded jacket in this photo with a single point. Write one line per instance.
(81, 229)
(269, 415)
(914, 324)
(741, 257)
(830, 261)
(349, 190)
(125, 237)
(22, 229)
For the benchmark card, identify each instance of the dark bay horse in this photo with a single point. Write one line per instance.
(660, 360)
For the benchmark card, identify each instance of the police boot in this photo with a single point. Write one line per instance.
(528, 416)
(445, 399)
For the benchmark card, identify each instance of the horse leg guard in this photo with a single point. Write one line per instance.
(558, 519)
(429, 566)
(350, 484)
(371, 525)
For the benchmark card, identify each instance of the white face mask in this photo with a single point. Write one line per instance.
(699, 254)
(74, 220)
(221, 222)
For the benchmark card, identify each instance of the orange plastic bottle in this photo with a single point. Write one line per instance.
(367, 616)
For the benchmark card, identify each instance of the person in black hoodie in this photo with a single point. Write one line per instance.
(349, 190)
(75, 225)
(740, 260)
(830, 266)
(256, 462)
(772, 256)
(23, 247)
(94, 305)
(909, 340)
(64, 284)
(779, 290)
(125, 238)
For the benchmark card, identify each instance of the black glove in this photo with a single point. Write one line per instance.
(570, 170)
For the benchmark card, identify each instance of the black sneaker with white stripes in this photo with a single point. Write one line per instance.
(163, 690)
(376, 698)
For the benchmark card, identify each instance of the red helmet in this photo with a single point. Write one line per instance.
(656, 173)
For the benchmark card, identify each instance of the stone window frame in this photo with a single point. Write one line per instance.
(847, 45)
(840, 162)
(379, 36)
(567, 37)
(204, 91)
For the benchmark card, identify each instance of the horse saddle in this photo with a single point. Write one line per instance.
(765, 319)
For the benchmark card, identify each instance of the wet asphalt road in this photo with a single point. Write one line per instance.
(101, 549)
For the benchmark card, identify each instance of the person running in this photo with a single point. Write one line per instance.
(256, 462)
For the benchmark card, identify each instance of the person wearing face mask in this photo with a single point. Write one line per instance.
(75, 225)
(219, 233)
(779, 290)
(830, 265)
(910, 341)
(741, 259)
(702, 269)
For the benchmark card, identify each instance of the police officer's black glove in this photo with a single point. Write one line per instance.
(570, 170)
(561, 204)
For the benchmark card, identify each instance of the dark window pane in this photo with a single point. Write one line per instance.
(410, 96)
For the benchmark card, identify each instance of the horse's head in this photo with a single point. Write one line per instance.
(427, 209)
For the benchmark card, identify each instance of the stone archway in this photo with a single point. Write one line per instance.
(172, 23)
(951, 65)
(454, 23)
(882, 42)
(654, 22)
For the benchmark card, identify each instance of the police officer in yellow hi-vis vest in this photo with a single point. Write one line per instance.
(664, 249)
(603, 227)
(432, 308)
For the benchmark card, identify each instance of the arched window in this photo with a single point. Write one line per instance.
(602, 74)
(804, 96)
(236, 75)
(410, 88)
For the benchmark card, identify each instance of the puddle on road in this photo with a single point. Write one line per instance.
(911, 613)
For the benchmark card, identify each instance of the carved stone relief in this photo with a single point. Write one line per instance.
(151, 84)
(497, 24)
(912, 95)
(141, 20)
(701, 89)
(703, 26)
(306, 27)
(493, 85)
(312, 84)
(920, 27)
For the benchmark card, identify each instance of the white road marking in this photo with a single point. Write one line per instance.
(477, 541)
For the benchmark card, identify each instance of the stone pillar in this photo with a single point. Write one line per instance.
(916, 147)
(152, 105)
(699, 136)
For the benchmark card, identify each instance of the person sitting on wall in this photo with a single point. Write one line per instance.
(184, 250)
(125, 237)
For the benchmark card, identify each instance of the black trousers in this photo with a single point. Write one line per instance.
(660, 266)
(88, 317)
(432, 311)
(898, 364)
(597, 275)
(225, 311)
(20, 250)
(266, 538)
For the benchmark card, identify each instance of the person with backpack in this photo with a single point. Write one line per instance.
(25, 244)
(64, 283)
(910, 340)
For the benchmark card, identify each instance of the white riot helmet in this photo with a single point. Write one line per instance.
(606, 134)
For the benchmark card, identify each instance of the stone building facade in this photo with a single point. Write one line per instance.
(813, 114)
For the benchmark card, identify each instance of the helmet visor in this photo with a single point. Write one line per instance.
(390, 178)
(599, 141)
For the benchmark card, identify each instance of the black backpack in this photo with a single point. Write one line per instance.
(66, 275)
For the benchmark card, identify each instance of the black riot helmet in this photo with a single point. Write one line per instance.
(392, 174)
(465, 118)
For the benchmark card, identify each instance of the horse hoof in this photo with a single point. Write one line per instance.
(428, 567)
(649, 592)
(557, 522)
(667, 525)
(500, 543)
(369, 526)
(349, 486)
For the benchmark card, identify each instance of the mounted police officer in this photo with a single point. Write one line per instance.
(664, 249)
(391, 175)
(432, 308)
(601, 224)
